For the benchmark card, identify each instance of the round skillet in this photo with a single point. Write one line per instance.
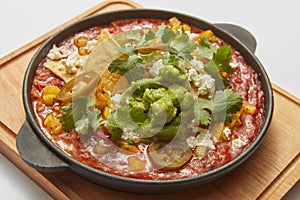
(39, 152)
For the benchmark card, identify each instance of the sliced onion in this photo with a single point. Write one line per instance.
(153, 47)
(169, 156)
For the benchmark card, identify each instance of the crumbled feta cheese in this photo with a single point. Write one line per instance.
(116, 100)
(193, 75)
(73, 62)
(216, 45)
(204, 82)
(194, 125)
(55, 53)
(197, 64)
(154, 70)
(191, 141)
(234, 64)
(192, 36)
(227, 132)
(90, 45)
(237, 143)
(207, 86)
(130, 135)
(202, 139)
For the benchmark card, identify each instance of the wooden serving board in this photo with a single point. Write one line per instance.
(268, 174)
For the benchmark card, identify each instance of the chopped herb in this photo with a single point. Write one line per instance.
(135, 35)
(221, 107)
(222, 59)
(168, 36)
(206, 49)
(67, 118)
(179, 43)
(128, 50)
(72, 112)
(150, 35)
(225, 103)
(203, 111)
(122, 66)
(80, 116)
(219, 64)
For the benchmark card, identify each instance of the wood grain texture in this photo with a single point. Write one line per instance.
(268, 174)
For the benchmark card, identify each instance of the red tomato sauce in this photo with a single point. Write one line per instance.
(244, 80)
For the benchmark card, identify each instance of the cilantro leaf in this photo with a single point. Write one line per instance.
(222, 59)
(150, 35)
(94, 116)
(121, 118)
(168, 36)
(205, 42)
(79, 116)
(160, 31)
(67, 119)
(212, 69)
(185, 50)
(118, 120)
(221, 107)
(179, 43)
(122, 66)
(113, 125)
(110, 121)
(206, 49)
(225, 103)
(203, 111)
(116, 133)
(220, 63)
(135, 35)
(82, 126)
(72, 112)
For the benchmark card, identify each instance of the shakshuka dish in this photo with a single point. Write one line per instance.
(148, 99)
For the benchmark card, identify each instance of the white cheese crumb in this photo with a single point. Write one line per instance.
(55, 53)
(202, 139)
(194, 125)
(237, 143)
(192, 36)
(191, 141)
(90, 45)
(116, 100)
(154, 70)
(234, 64)
(207, 86)
(204, 82)
(130, 135)
(197, 64)
(227, 132)
(73, 62)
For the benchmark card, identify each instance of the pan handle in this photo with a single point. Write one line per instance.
(241, 34)
(34, 152)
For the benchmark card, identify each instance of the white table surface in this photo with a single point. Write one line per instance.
(275, 24)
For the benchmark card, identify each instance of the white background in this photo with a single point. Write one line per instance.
(274, 23)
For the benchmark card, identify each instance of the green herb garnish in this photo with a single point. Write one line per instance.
(80, 115)
(221, 107)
